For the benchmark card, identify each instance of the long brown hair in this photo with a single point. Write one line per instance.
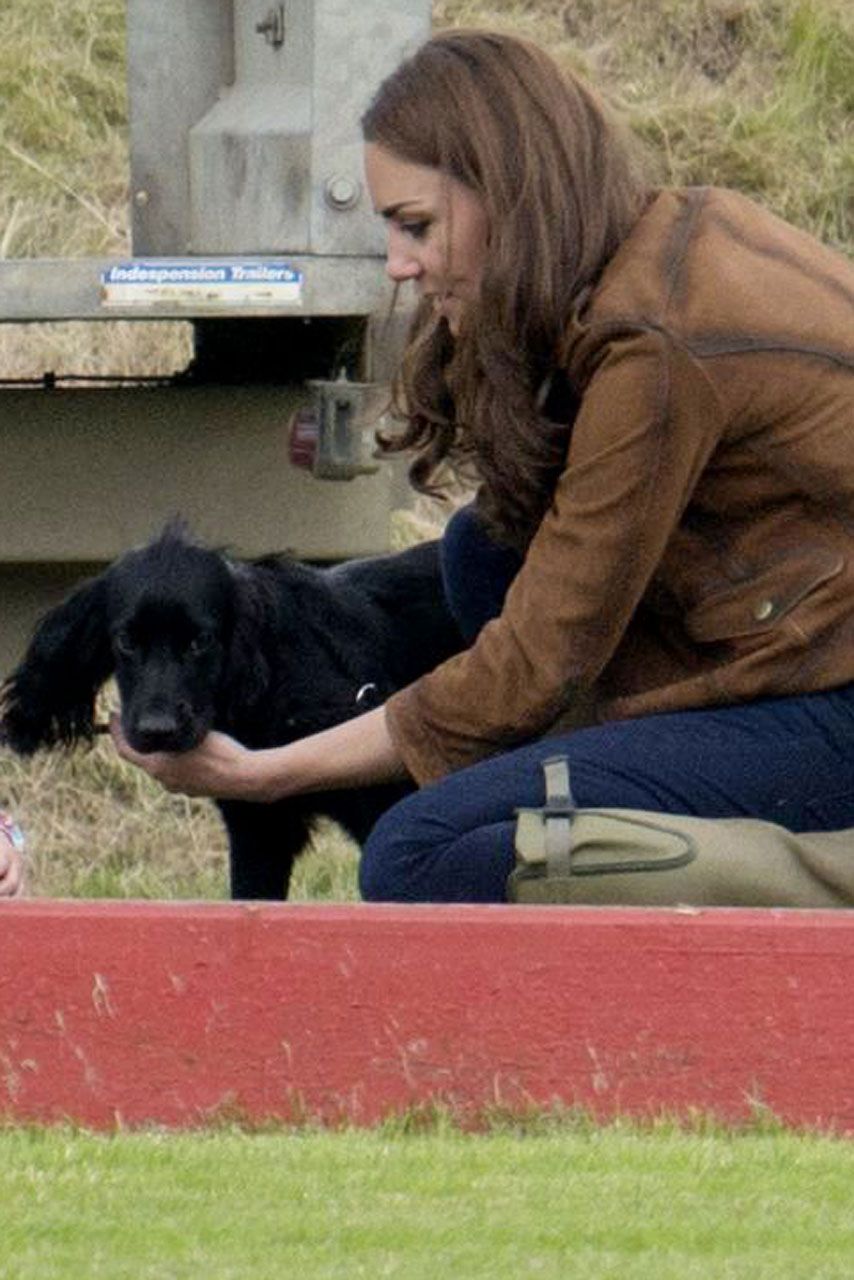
(561, 186)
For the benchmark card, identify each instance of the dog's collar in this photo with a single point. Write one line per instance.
(365, 692)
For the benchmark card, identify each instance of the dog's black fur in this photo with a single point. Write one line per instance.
(267, 651)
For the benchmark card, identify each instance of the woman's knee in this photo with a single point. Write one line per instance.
(385, 875)
(464, 533)
(476, 571)
(431, 863)
(374, 882)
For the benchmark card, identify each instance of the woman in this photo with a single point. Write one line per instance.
(656, 389)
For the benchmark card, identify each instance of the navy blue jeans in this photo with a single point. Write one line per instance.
(786, 760)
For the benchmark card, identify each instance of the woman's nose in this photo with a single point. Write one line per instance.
(402, 263)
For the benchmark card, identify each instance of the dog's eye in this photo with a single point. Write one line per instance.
(200, 644)
(122, 644)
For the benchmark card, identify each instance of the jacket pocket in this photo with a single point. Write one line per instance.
(757, 604)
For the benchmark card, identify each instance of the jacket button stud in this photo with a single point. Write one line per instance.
(763, 610)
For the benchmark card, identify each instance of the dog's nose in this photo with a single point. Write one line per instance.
(157, 731)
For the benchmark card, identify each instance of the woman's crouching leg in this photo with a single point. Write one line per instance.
(416, 853)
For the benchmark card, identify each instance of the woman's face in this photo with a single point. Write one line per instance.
(437, 230)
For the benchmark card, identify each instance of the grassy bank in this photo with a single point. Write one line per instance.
(755, 94)
(752, 94)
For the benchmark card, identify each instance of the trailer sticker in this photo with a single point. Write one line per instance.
(195, 283)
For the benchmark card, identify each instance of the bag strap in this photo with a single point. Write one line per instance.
(545, 837)
(558, 813)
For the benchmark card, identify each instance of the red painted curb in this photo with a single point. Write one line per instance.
(176, 1014)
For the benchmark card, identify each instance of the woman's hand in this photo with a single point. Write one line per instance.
(356, 753)
(218, 767)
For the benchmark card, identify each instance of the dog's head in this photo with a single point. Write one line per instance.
(161, 619)
(170, 610)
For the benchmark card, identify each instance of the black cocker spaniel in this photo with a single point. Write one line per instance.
(268, 651)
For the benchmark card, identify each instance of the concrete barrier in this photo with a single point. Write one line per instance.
(127, 1013)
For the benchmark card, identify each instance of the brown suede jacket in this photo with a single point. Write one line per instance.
(700, 546)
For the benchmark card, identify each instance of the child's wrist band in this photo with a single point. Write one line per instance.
(10, 830)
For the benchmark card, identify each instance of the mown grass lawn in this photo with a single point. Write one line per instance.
(576, 1202)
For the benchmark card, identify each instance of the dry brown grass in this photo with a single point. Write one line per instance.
(96, 827)
(754, 94)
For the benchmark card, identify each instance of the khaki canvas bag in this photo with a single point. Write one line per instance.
(632, 857)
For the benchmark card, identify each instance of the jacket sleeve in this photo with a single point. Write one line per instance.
(648, 422)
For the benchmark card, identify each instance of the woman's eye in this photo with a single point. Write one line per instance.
(415, 230)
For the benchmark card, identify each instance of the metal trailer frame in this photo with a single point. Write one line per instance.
(245, 166)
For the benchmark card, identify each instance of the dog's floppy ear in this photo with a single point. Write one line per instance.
(49, 700)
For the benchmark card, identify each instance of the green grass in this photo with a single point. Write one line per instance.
(587, 1203)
